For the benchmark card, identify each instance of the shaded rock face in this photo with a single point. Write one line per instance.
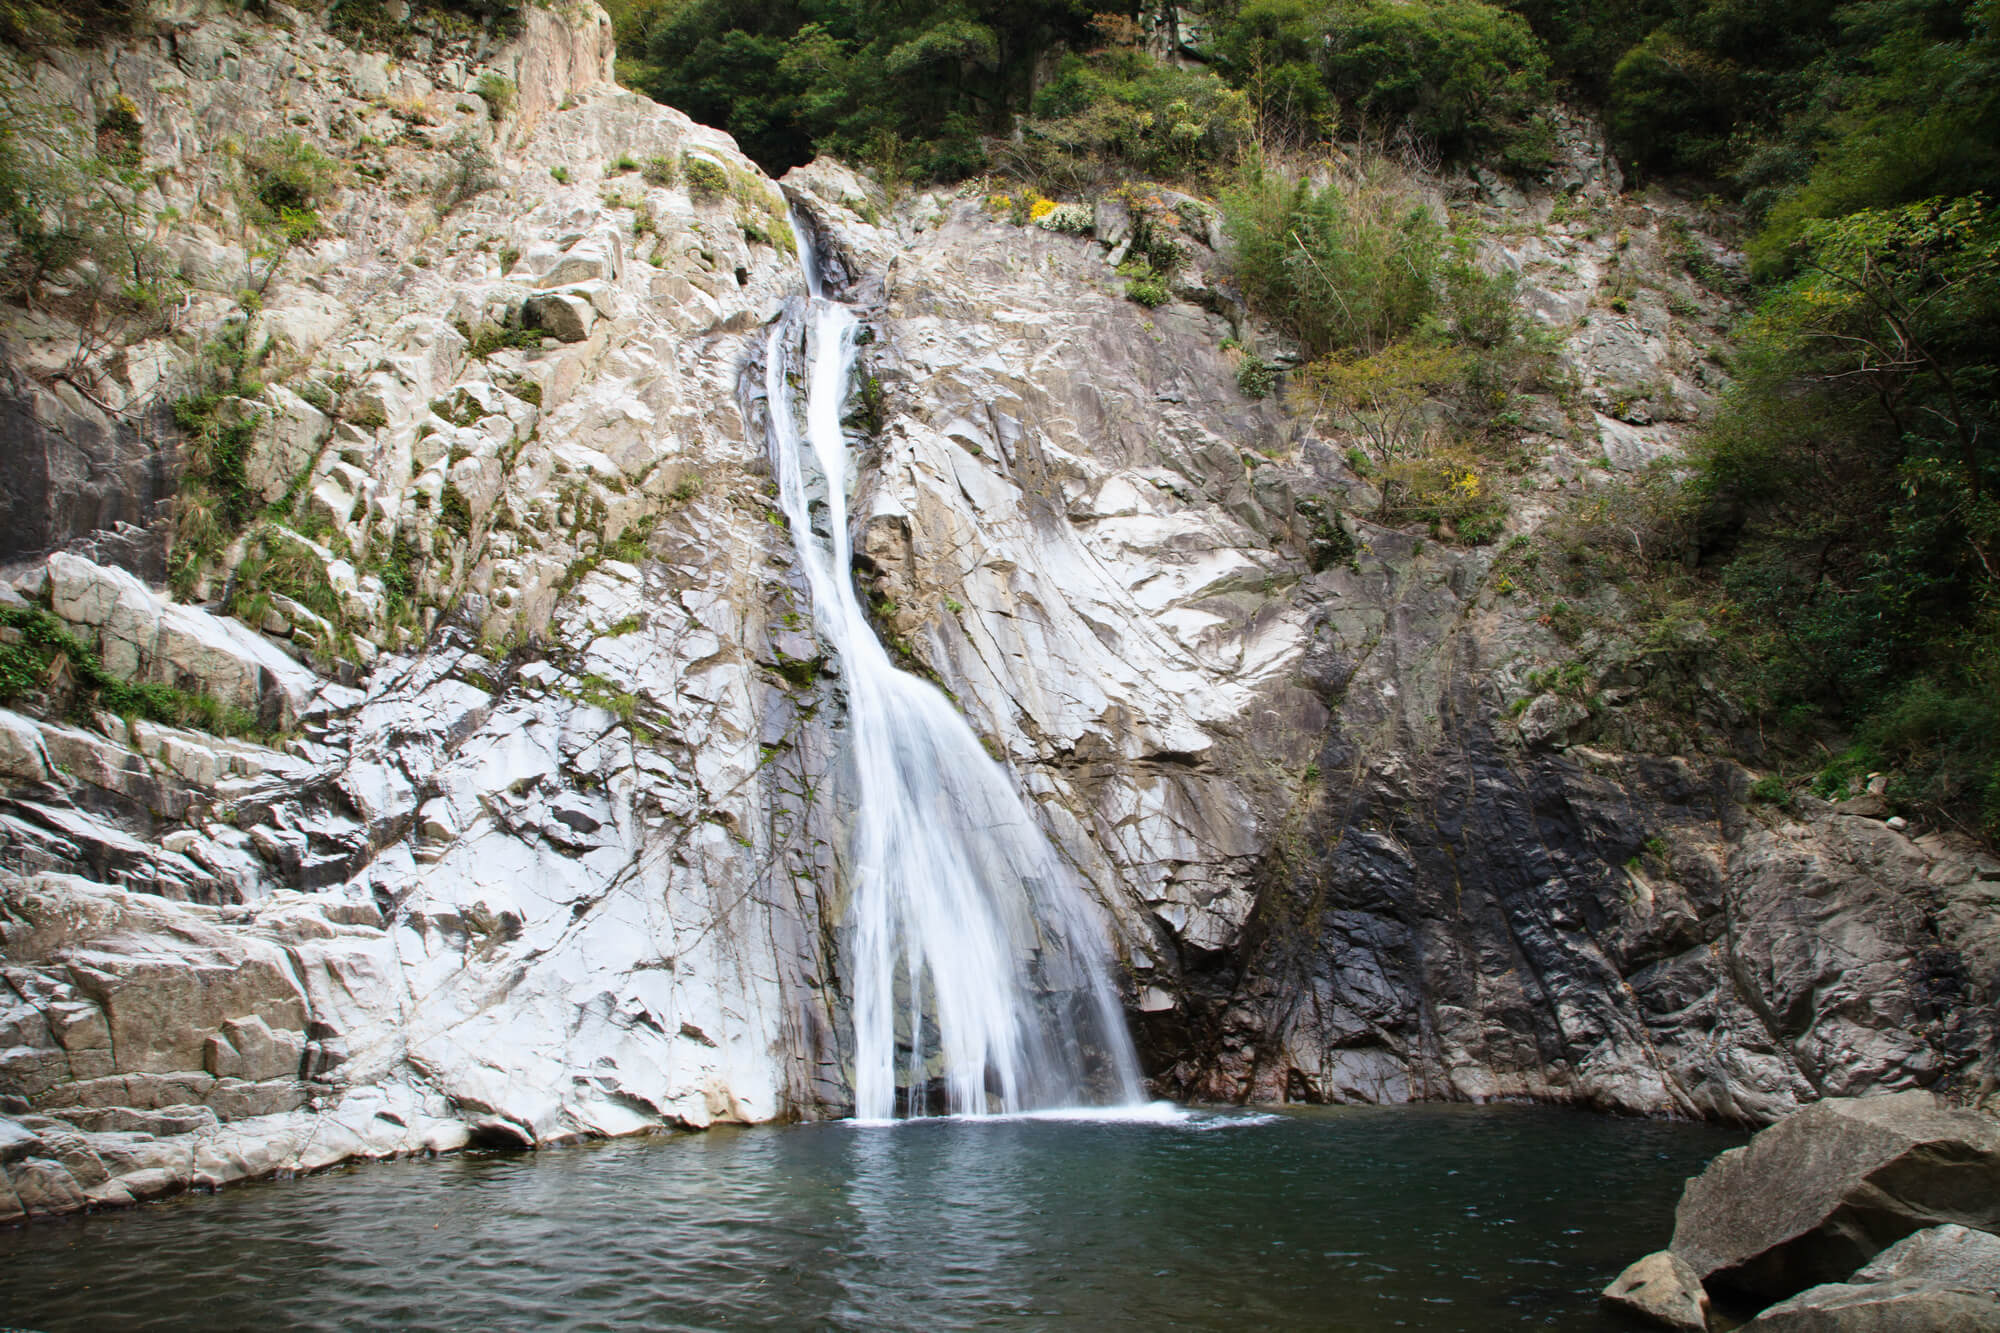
(1469, 920)
(73, 473)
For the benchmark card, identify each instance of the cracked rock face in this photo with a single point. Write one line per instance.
(542, 845)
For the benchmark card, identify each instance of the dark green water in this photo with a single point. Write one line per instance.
(1414, 1218)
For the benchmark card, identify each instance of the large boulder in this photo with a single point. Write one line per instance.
(1817, 1195)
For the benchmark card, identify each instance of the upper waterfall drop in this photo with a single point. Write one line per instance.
(971, 950)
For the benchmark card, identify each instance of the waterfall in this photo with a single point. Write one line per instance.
(963, 923)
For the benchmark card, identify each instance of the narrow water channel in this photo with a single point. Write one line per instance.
(1406, 1218)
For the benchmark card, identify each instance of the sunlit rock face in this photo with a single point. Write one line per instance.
(542, 846)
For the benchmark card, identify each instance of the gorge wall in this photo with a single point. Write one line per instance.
(536, 841)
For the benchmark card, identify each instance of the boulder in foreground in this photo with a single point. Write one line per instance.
(1817, 1195)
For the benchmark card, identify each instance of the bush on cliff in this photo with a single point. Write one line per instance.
(1117, 113)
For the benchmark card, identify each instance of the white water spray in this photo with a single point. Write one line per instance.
(963, 922)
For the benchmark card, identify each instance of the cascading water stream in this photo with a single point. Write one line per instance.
(963, 921)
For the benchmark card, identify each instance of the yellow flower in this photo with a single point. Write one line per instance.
(1042, 208)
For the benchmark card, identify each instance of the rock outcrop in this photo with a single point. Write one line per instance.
(535, 837)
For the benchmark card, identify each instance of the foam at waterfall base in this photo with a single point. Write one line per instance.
(1167, 1114)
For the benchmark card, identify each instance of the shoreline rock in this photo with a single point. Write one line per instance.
(1854, 1214)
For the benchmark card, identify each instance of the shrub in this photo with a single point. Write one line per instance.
(214, 498)
(1382, 397)
(705, 177)
(1256, 377)
(1771, 790)
(455, 511)
(279, 561)
(498, 91)
(1145, 285)
(1074, 219)
(1119, 112)
(1444, 487)
(1348, 265)
(288, 179)
(660, 171)
(485, 338)
(470, 170)
(1329, 542)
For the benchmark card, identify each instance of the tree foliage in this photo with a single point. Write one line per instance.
(916, 85)
(1117, 112)
(1843, 509)
(1854, 481)
(1467, 76)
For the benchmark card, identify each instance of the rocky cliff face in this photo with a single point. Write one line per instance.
(543, 845)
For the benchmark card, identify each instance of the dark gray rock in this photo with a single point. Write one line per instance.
(71, 472)
(1812, 1198)
(560, 315)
